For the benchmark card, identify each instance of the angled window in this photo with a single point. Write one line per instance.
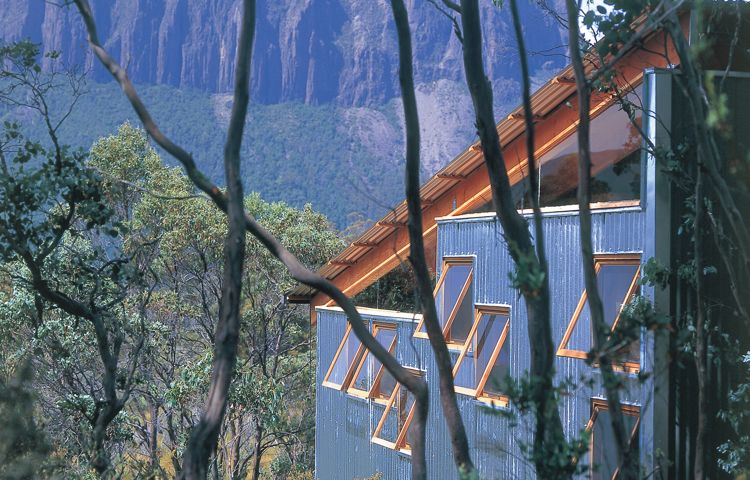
(617, 280)
(370, 379)
(346, 359)
(453, 299)
(485, 359)
(603, 462)
(393, 429)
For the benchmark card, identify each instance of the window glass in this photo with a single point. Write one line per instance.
(615, 164)
(449, 291)
(455, 279)
(396, 415)
(464, 319)
(604, 447)
(345, 359)
(614, 282)
(614, 279)
(479, 351)
(370, 365)
(500, 370)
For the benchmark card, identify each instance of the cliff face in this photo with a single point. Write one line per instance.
(324, 85)
(311, 51)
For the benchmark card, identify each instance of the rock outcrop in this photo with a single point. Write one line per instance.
(311, 51)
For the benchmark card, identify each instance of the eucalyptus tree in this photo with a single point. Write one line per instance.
(59, 243)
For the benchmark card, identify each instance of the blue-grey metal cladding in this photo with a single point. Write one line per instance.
(345, 424)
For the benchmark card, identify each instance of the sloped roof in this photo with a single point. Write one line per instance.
(546, 99)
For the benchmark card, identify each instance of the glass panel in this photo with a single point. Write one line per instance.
(370, 366)
(455, 279)
(464, 318)
(604, 447)
(447, 295)
(500, 370)
(615, 162)
(387, 384)
(477, 357)
(397, 415)
(613, 282)
(345, 359)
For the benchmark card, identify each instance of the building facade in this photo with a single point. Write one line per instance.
(363, 415)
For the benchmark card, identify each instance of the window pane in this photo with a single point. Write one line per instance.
(615, 162)
(455, 279)
(345, 359)
(464, 318)
(371, 365)
(613, 282)
(477, 357)
(387, 383)
(500, 370)
(604, 447)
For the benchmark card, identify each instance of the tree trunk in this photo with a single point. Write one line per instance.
(204, 437)
(627, 461)
(459, 441)
(258, 451)
(529, 269)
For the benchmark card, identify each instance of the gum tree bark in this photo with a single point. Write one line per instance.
(205, 434)
(416, 385)
(626, 459)
(532, 276)
(459, 441)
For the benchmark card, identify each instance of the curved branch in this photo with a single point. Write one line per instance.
(298, 271)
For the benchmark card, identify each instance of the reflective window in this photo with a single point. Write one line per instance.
(394, 428)
(603, 458)
(483, 364)
(370, 367)
(616, 277)
(615, 164)
(454, 301)
(349, 351)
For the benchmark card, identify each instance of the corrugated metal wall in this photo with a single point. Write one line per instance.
(345, 423)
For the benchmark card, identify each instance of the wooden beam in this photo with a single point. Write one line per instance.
(365, 244)
(563, 80)
(521, 116)
(342, 262)
(391, 223)
(451, 176)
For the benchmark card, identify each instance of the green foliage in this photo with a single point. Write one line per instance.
(24, 449)
(291, 152)
(735, 452)
(396, 290)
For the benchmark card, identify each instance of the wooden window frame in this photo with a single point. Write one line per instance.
(600, 404)
(479, 392)
(599, 260)
(447, 263)
(369, 393)
(400, 443)
(349, 371)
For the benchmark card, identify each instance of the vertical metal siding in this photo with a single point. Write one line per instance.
(343, 449)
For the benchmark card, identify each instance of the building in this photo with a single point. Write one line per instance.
(363, 416)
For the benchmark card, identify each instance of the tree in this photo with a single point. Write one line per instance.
(58, 241)
(204, 439)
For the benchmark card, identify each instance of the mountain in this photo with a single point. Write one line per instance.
(328, 61)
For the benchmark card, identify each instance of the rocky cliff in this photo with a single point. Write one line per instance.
(325, 84)
(311, 51)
